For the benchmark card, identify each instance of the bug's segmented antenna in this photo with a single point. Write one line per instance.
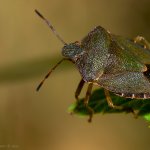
(51, 27)
(48, 74)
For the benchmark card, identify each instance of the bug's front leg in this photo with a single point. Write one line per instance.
(142, 40)
(109, 100)
(79, 88)
(86, 100)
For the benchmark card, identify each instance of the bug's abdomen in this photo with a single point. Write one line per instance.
(127, 84)
(138, 95)
(134, 95)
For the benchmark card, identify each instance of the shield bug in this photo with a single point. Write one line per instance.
(117, 64)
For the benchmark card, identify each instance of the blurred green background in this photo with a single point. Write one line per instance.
(31, 120)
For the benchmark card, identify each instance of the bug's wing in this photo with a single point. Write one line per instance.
(104, 48)
(127, 84)
(122, 60)
(136, 49)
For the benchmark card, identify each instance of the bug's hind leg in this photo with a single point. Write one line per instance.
(109, 100)
(110, 103)
(79, 88)
(143, 41)
(86, 100)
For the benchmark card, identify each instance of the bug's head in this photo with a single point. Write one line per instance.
(71, 50)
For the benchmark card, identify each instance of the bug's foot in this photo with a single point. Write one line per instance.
(130, 110)
(91, 112)
(135, 113)
(71, 113)
(90, 118)
(143, 41)
(115, 106)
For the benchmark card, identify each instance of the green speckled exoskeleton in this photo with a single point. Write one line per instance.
(117, 64)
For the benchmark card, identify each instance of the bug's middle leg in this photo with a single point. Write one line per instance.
(79, 88)
(109, 100)
(143, 41)
(86, 100)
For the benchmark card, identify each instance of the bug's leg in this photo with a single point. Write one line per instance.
(131, 110)
(110, 103)
(109, 100)
(86, 100)
(79, 88)
(142, 40)
(135, 113)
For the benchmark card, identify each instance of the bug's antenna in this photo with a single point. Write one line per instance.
(49, 73)
(51, 27)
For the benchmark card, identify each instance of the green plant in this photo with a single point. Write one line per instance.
(139, 107)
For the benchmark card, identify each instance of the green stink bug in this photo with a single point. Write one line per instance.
(117, 64)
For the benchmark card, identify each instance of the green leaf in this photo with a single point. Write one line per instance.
(99, 104)
(147, 117)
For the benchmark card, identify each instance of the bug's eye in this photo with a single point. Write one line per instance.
(65, 45)
(77, 43)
